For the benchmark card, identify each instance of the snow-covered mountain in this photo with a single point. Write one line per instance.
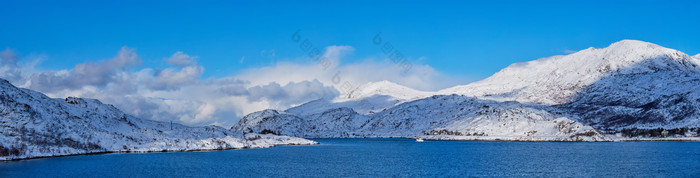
(438, 117)
(630, 84)
(555, 80)
(387, 88)
(34, 125)
(366, 99)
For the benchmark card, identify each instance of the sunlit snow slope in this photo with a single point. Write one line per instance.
(630, 84)
(34, 125)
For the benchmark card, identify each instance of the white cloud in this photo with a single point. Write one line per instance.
(179, 92)
(333, 71)
(180, 59)
(172, 78)
(96, 74)
(8, 58)
(8, 66)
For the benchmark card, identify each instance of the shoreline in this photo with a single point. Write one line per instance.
(519, 139)
(161, 151)
(492, 139)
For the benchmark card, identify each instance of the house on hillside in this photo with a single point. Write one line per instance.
(619, 134)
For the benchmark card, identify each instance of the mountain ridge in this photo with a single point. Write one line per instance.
(570, 73)
(35, 125)
(387, 88)
(629, 84)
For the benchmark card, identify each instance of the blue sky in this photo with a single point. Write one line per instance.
(463, 38)
(210, 62)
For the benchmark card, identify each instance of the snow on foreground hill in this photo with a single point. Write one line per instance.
(34, 125)
(630, 84)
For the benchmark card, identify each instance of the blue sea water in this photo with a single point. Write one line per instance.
(386, 157)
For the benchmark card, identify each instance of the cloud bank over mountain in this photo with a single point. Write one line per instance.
(180, 93)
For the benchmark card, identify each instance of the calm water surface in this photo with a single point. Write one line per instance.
(386, 157)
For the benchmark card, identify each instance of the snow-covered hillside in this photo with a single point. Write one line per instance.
(555, 80)
(368, 98)
(630, 84)
(436, 117)
(387, 88)
(34, 125)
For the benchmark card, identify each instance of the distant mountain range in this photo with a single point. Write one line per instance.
(34, 125)
(576, 97)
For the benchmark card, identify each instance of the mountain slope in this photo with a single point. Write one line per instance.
(34, 125)
(387, 88)
(369, 98)
(554, 80)
(630, 84)
(436, 117)
(661, 98)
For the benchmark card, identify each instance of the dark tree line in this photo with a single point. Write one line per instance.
(266, 131)
(657, 132)
(12, 151)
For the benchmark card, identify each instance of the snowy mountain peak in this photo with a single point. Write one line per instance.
(626, 53)
(386, 88)
(629, 84)
(261, 114)
(365, 99)
(553, 80)
(633, 44)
